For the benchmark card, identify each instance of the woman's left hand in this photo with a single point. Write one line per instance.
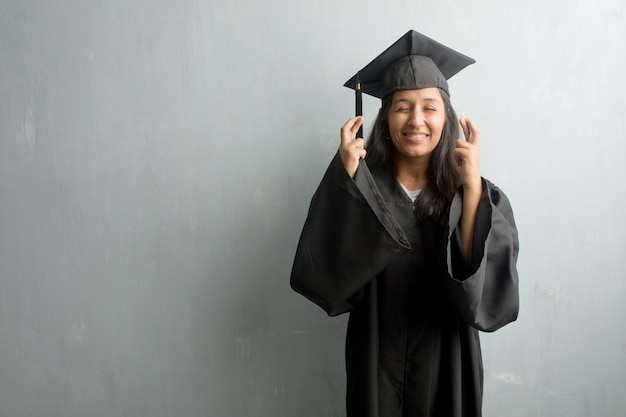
(467, 155)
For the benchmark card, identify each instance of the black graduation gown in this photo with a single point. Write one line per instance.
(416, 305)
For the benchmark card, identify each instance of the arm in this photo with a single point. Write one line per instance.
(348, 238)
(483, 244)
(486, 290)
(468, 159)
(349, 235)
(468, 220)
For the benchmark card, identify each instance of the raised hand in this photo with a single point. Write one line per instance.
(467, 155)
(351, 148)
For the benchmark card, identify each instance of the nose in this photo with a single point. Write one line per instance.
(416, 118)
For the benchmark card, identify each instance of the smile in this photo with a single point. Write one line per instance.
(416, 136)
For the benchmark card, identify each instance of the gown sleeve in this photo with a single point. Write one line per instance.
(348, 238)
(485, 291)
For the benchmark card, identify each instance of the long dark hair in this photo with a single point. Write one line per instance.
(442, 172)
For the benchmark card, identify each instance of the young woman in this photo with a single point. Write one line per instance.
(409, 239)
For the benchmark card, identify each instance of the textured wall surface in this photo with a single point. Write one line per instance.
(157, 158)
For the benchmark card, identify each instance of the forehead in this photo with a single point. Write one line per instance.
(430, 93)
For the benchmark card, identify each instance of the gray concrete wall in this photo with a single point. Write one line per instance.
(156, 163)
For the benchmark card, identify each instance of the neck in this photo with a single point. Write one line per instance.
(412, 173)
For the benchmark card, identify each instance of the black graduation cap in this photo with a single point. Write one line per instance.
(414, 61)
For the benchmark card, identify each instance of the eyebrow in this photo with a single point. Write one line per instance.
(433, 99)
(406, 100)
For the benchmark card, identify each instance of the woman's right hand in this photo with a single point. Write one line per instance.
(351, 148)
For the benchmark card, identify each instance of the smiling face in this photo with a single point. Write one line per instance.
(416, 120)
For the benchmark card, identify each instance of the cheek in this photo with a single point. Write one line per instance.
(439, 125)
(437, 131)
(392, 123)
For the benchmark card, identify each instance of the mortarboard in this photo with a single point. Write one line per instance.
(414, 61)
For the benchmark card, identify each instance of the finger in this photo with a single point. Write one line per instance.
(465, 127)
(359, 148)
(458, 157)
(353, 150)
(460, 153)
(474, 133)
(350, 128)
(358, 122)
(463, 145)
